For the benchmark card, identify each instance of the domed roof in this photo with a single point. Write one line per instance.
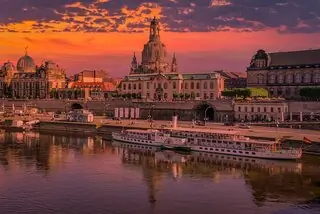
(26, 64)
(261, 54)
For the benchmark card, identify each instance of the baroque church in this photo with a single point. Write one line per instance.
(156, 79)
(28, 81)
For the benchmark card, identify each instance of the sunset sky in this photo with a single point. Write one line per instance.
(206, 35)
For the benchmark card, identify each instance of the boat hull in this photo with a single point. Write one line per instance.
(253, 154)
(153, 143)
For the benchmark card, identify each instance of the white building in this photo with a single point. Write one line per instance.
(261, 110)
(80, 115)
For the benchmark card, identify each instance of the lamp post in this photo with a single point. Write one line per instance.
(150, 116)
(205, 114)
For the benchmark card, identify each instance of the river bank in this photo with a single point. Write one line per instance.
(292, 137)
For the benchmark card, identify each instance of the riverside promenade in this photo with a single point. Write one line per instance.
(101, 125)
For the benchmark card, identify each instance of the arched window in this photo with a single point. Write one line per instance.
(192, 85)
(129, 86)
(280, 78)
(211, 85)
(140, 86)
(289, 78)
(297, 78)
(316, 78)
(272, 78)
(174, 85)
(198, 85)
(307, 78)
(165, 85)
(124, 87)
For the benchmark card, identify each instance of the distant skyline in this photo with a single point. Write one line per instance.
(205, 35)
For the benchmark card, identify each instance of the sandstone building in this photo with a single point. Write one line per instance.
(88, 84)
(284, 73)
(234, 79)
(156, 79)
(28, 81)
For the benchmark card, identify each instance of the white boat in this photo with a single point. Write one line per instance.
(151, 137)
(232, 143)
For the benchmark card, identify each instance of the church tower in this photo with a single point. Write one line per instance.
(174, 64)
(154, 52)
(134, 63)
(154, 33)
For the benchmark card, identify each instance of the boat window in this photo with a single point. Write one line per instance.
(228, 150)
(240, 152)
(247, 152)
(222, 150)
(234, 151)
(253, 153)
(217, 149)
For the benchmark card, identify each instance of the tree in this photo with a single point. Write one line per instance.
(193, 95)
(175, 95)
(181, 95)
(245, 92)
(134, 95)
(129, 96)
(310, 93)
(187, 96)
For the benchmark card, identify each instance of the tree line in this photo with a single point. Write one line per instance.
(245, 92)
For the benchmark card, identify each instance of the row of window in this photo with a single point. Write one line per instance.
(223, 150)
(165, 95)
(193, 85)
(260, 109)
(290, 78)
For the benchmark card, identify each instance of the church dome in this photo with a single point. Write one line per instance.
(26, 64)
(261, 54)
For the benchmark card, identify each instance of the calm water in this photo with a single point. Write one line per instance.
(70, 174)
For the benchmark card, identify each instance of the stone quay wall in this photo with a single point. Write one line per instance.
(159, 110)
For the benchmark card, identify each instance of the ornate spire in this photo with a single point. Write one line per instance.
(154, 30)
(26, 50)
(134, 63)
(174, 64)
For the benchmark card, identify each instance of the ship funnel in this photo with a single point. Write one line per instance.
(174, 121)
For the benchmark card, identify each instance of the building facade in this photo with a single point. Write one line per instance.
(88, 84)
(283, 74)
(256, 111)
(156, 79)
(234, 79)
(28, 81)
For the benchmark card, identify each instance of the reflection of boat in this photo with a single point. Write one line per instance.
(169, 156)
(175, 148)
(275, 166)
(152, 138)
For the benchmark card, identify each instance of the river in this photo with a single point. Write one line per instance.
(46, 173)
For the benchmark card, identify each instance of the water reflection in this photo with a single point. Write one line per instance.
(267, 181)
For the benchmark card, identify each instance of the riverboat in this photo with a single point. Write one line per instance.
(233, 143)
(152, 137)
